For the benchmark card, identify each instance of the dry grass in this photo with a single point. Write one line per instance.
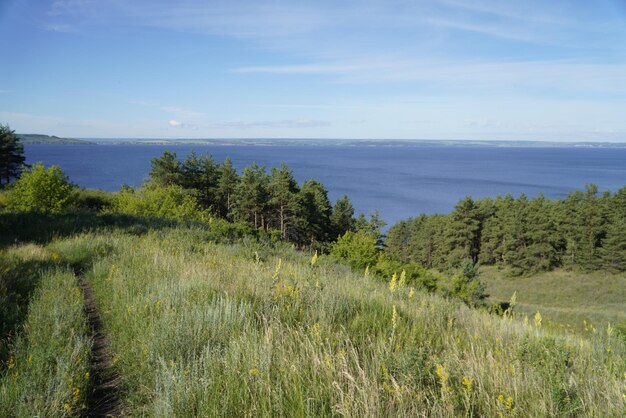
(566, 298)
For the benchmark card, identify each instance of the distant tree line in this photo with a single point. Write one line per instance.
(585, 230)
(269, 201)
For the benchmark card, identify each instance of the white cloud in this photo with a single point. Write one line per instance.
(59, 27)
(290, 123)
(175, 123)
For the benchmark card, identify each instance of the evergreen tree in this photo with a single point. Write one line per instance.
(251, 196)
(493, 242)
(463, 233)
(314, 212)
(342, 217)
(226, 187)
(201, 173)
(614, 246)
(167, 170)
(283, 190)
(398, 238)
(11, 155)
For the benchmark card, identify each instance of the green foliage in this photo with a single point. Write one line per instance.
(91, 200)
(46, 373)
(40, 189)
(465, 284)
(226, 187)
(314, 212)
(583, 231)
(167, 170)
(251, 196)
(358, 249)
(283, 190)
(152, 200)
(11, 155)
(342, 218)
(286, 339)
(200, 173)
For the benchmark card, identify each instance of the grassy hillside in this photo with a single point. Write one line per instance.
(571, 299)
(198, 328)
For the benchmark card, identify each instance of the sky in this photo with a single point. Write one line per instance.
(356, 69)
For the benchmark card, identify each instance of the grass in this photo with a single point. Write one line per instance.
(569, 299)
(200, 329)
(46, 373)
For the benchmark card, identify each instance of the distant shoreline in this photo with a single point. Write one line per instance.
(35, 139)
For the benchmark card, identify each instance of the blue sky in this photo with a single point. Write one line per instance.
(445, 69)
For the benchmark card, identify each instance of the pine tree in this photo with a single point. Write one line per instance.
(614, 246)
(314, 212)
(11, 155)
(342, 217)
(251, 196)
(283, 190)
(463, 233)
(201, 173)
(226, 187)
(167, 170)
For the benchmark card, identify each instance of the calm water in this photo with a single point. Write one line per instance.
(398, 181)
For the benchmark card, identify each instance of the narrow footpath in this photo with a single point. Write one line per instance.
(104, 400)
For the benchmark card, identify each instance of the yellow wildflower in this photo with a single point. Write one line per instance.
(443, 376)
(314, 259)
(253, 372)
(411, 294)
(277, 270)
(507, 402)
(317, 332)
(467, 384)
(367, 270)
(402, 282)
(537, 319)
(394, 318)
(393, 283)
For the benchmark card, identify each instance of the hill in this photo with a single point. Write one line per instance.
(198, 325)
(50, 139)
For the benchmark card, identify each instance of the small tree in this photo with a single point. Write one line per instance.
(11, 155)
(41, 189)
(166, 170)
(357, 248)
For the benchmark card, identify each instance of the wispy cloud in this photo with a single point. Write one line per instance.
(177, 111)
(569, 75)
(60, 27)
(290, 123)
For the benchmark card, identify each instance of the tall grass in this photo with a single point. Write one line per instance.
(576, 301)
(200, 329)
(46, 373)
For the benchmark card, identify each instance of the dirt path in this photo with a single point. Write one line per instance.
(104, 399)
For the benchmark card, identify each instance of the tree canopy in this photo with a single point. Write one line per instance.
(11, 155)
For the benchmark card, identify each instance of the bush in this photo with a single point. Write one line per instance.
(357, 248)
(152, 200)
(40, 189)
(92, 200)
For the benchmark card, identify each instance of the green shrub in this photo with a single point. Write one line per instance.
(92, 200)
(41, 189)
(357, 248)
(153, 200)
